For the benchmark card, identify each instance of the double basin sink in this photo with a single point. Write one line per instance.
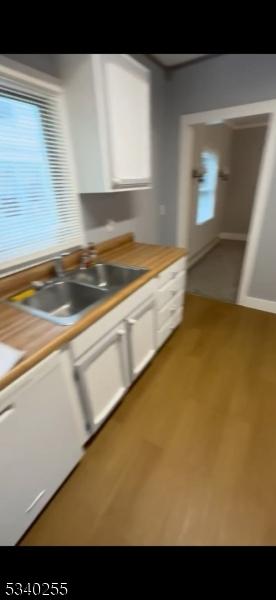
(66, 299)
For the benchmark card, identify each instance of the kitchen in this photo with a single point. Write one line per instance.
(114, 384)
(111, 310)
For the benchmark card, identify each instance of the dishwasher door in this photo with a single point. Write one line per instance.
(102, 374)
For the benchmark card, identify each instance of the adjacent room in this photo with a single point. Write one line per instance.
(227, 161)
(137, 300)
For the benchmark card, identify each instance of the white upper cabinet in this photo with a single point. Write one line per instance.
(108, 98)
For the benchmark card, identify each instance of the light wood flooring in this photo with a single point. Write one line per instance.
(189, 457)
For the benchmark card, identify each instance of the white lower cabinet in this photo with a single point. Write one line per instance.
(141, 337)
(111, 354)
(165, 332)
(40, 442)
(105, 371)
(170, 299)
(102, 375)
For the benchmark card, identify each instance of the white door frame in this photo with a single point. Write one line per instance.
(262, 188)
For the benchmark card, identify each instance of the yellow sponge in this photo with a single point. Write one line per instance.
(22, 295)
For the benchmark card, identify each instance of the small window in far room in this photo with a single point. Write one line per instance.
(206, 198)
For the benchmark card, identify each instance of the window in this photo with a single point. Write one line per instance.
(39, 213)
(206, 199)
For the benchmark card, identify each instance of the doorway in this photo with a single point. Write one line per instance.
(225, 170)
(227, 159)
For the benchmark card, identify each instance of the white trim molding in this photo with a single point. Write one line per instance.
(238, 237)
(219, 115)
(194, 258)
(247, 126)
(186, 139)
(259, 304)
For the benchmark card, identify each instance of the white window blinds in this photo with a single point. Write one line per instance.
(39, 211)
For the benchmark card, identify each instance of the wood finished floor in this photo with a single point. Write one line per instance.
(189, 457)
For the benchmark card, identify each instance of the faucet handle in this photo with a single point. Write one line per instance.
(58, 265)
(92, 249)
(85, 259)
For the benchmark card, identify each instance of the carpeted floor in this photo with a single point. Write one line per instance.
(217, 274)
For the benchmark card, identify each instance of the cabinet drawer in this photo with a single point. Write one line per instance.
(142, 337)
(165, 332)
(166, 293)
(169, 326)
(171, 272)
(178, 316)
(169, 309)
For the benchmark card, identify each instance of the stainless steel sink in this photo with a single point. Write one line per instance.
(65, 300)
(62, 302)
(107, 276)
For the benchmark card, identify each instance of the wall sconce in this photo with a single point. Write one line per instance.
(198, 174)
(224, 174)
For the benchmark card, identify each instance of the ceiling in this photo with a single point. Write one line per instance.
(172, 60)
(244, 122)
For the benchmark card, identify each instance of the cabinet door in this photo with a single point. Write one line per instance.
(39, 444)
(127, 92)
(141, 337)
(103, 376)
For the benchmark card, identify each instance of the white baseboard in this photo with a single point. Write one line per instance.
(239, 237)
(192, 260)
(258, 303)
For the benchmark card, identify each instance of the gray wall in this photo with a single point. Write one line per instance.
(215, 83)
(42, 62)
(227, 80)
(246, 154)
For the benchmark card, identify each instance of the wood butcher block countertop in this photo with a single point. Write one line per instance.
(39, 337)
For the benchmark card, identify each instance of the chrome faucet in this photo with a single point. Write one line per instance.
(89, 257)
(93, 253)
(58, 264)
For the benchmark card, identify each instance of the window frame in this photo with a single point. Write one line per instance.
(28, 80)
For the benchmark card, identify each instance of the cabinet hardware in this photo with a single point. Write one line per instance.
(35, 501)
(6, 412)
(121, 332)
(131, 321)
